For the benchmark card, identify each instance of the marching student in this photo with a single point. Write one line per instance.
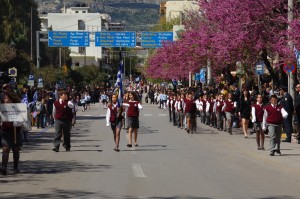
(272, 120)
(190, 112)
(229, 109)
(219, 112)
(114, 119)
(63, 115)
(257, 119)
(134, 106)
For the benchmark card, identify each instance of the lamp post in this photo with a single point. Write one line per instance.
(290, 43)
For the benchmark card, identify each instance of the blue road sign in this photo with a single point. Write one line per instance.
(31, 77)
(115, 39)
(155, 39)
(68, 39)
(259, 70)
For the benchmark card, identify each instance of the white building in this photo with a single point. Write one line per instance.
(79, 19)
(175, 9)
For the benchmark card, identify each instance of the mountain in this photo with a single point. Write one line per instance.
(137, 15)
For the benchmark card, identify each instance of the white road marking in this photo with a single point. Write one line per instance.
(162, 114)
(146, 114)
(138, 171)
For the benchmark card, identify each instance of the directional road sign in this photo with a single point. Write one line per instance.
(68, 39)
(155, 39)
(115, 39)
(260, 68)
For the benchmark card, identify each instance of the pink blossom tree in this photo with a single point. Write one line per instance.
(229, 31)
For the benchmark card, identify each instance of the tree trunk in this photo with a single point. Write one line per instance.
(274, 76)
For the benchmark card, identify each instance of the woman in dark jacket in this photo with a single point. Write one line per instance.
(245, 111)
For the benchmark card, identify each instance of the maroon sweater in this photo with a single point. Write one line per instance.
(9, 127)
(133, 109)
(63, 111)
(274, 114)
(229, 106)
(221, 104)
(259, 112)
(190, 106)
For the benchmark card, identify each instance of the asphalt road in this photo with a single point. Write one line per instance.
(168, 163)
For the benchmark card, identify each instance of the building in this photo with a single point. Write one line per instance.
(175, 9)
(79, 18)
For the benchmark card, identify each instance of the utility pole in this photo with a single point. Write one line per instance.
(31, 54)
(290, 43)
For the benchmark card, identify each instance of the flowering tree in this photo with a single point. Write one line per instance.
(229, 31)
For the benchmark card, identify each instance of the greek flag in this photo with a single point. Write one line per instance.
(119, 83)
(296, 52)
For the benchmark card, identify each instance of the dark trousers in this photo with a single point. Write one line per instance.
(62, 127)
(40, 120)
(174, 118)
(170, 114)
(288, 126)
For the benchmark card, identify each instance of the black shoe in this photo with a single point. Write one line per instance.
(136, 145)
(278, 152)
(287, 140)
(272, 153)
(16, 170)
(129, 145)
(116, 149)
(68, 149)
(55, 149)
(3, 171)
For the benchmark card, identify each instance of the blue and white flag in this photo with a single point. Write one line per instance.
(297, 54)
(119, 84)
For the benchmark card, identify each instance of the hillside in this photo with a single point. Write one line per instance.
(136, 14)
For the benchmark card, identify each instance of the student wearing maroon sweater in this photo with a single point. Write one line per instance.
(257, 119)
(134, 106)
(273, 119)
(63, 115)
(229, 109)
(219, 112)
(190, 112)
(114, 119)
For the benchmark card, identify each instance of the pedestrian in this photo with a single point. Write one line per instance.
(257, 119)
(190, 112)
(62, 112)
(287, 103)
(297, 110)
(229, 109)
(245, 111)
(9, 141)
(272, 120)
(50, 103)
(114, 119)
(220, 115)
(82, 102)
(134, 107)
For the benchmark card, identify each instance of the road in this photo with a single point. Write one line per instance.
(168, 163)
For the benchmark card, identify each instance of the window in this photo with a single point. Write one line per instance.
(81, 25)
(82, 50)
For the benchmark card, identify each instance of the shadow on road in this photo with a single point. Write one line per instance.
(90, 117)
(58, 194)
(53, 167)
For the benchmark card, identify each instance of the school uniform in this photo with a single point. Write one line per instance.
(273, 119)
(257, 114)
